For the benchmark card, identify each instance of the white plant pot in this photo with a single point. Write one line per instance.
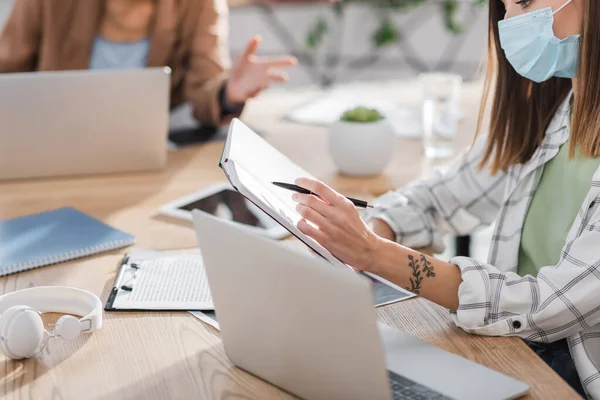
(361, 148)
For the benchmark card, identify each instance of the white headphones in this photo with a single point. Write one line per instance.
(21, 325)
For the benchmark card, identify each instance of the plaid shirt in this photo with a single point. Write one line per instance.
(563, 301)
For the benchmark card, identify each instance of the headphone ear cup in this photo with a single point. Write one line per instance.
(21, 332)
(4, 318)
(68, 327)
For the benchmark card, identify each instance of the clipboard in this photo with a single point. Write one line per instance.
(160, 281)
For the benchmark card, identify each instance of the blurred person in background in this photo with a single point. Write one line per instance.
(189, 36)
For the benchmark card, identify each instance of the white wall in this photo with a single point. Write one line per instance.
(425, 39)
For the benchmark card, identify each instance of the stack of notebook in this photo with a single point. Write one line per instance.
(54, 236)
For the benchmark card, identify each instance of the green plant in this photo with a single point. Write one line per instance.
(387, 32)
(361, 114)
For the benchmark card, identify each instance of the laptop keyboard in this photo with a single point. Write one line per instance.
(405, 389)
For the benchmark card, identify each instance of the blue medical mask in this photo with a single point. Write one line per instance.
(532, 49)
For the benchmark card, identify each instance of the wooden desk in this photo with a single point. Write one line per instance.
(173, 355)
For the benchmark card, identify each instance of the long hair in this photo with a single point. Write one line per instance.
(522, 109)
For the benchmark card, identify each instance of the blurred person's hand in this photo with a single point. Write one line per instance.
(252, 74)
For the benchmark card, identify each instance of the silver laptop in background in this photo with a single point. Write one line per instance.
(310, 329)
(83, 122)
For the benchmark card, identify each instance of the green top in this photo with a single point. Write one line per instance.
(555, 204)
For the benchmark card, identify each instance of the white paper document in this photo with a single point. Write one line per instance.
(163, 281)
(405, 119)
(208, 317)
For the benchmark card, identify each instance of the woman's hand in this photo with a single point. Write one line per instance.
(333, 221)
(252, 74)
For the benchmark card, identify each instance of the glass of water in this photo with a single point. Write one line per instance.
(440, 108)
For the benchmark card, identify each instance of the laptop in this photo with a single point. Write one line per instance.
(295, 321)
(83, 122)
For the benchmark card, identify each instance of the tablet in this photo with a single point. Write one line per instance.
(222, 201)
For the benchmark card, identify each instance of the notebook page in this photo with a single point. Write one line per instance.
(257, 165)
(265, 164)
(173, 282)
(285, 207)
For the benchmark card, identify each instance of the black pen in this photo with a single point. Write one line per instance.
(296, 188)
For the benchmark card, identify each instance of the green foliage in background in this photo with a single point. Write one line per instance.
(361, 114)
(387, 32)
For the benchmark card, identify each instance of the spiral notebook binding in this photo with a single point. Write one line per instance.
(68, 256)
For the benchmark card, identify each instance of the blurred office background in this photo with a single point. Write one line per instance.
(419, 39)
(348, 52)
(334, 48)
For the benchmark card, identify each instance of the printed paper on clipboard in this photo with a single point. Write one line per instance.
(251, 164)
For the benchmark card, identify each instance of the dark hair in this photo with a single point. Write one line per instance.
(522, 109)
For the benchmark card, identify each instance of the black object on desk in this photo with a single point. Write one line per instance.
(185, 130)
(189, 136)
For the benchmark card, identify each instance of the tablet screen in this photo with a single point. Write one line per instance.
(230, 205)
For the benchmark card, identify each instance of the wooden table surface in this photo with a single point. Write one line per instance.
(163, 355)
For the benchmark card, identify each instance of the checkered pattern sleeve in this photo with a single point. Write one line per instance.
(458, 200)
(561, 301)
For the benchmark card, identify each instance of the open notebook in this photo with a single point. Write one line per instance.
(251, 165)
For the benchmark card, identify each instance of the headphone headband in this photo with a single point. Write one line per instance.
(60, 299)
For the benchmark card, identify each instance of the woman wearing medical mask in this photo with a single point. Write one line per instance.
(535, 174)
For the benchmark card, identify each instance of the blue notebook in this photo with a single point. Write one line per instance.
(54, 236)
